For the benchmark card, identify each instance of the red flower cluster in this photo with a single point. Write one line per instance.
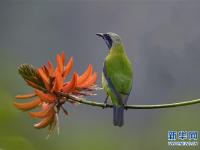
(48, 97)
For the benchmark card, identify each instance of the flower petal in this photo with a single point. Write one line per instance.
(28, 105)
(25, 96)
(46, 106)
(46, 121)
(72, 84)
(63, 57)
(32, 84)
(58, 81)
(45, 70)
(50, 69)
(59, 63)
(85, 75)
(68, 67)
(49, 98)
(40, 114)
(91, 80)
(45, 78)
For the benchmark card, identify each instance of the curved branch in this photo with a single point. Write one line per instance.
(102, 105)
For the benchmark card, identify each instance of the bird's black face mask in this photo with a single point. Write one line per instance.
(106, 38)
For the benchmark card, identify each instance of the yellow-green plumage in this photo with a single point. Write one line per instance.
(117, 76)
(119, 70)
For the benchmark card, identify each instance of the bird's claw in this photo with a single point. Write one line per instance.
(125, 108)
(104, 106)
(105, 102)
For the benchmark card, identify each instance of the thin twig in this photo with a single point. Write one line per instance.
(102, 105)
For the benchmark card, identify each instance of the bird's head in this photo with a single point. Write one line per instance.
(110, 38)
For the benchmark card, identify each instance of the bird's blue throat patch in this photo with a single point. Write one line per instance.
(108, 40)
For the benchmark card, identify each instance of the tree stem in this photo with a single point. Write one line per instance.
(102, 105)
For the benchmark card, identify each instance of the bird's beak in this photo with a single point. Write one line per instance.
(100, 34)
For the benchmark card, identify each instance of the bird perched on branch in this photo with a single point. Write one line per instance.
(116, 76)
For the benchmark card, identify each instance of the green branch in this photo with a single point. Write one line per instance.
(29, 73)
(102, 105)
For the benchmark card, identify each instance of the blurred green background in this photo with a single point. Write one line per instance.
(162, 40)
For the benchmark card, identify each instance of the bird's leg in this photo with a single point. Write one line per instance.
(125, 107)
(106, 101)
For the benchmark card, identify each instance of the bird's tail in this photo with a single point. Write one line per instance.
(118, 115)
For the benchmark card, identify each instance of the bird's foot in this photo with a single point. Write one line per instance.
(105, 102)
(125, 107)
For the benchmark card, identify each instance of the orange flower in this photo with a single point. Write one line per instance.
(48, 83)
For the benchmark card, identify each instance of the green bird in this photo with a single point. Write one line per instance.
(117, 75)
